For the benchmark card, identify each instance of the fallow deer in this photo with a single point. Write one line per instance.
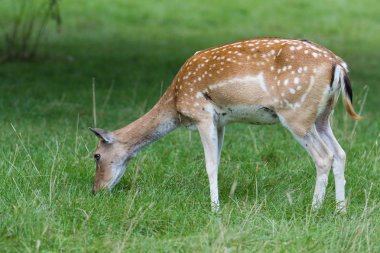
(257, 81)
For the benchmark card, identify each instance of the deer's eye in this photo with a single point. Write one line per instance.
(97, 157)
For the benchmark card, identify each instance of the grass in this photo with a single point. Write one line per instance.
(132, 50)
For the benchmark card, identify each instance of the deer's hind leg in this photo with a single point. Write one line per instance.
(324, 129)
(322, 156)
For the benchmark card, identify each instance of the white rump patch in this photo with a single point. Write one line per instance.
(338, 78)
(344, 65)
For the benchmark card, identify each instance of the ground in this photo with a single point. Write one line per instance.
(132, 50)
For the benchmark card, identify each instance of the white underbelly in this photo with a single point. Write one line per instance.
(247, 114)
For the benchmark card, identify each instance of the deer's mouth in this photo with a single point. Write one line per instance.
(118, 171)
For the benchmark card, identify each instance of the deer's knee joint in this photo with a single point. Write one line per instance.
(324, 164)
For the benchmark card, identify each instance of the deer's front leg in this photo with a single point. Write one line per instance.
(209, 137)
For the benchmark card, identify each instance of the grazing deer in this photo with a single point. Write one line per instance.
(257, 81)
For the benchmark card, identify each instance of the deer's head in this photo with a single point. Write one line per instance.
(111, 157)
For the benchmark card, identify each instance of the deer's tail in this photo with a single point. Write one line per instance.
(342, 80)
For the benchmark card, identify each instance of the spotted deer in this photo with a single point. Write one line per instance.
(256, 81)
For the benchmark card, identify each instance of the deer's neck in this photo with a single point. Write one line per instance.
(158, 122)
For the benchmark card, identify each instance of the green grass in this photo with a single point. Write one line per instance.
(132, 49)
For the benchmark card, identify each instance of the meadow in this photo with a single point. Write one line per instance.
(131, 50)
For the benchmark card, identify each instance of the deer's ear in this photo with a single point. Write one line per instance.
(102, 134)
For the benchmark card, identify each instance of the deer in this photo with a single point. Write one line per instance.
(257, 81)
